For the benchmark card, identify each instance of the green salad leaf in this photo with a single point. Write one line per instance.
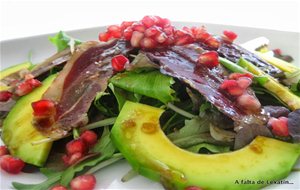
(62, 41)
(148, 83)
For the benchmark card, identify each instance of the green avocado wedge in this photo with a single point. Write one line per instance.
(10, 70)
(138, 136)
(18, 132)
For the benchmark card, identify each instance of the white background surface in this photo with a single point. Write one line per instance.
(28, 18)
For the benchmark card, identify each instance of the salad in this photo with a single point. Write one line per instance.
(187, 108)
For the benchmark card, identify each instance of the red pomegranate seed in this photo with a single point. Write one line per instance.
(11, 164)
(72, 159)
(213, 42)
(169, 30)
(3, 150)
(188, 30)
(118, 62)
(152, 31)
(148, 43)
(136, 38)
(27, 86)
(249, 103)
(279, 126)
(201, 34)
(210, 59)
(228, 84)
(127, 33)
(104, 37)
(83, 182)
(244, 82)
(5, 96)
(235, 91)
(230, 35)
(138, 27)
(182, 33)
(126, 24)
(43, 108)
(114, 31)
(236, 76)
(59, 187)
(161, 38)
(277, 51)
(76, 145)
(89, 137)
(34, 82)
(162, 22)
(148, 21)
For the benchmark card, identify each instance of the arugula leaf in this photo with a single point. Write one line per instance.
(195, 131)
(62, 41)
(122, 95)
(210, 147)
(104, 146)
(151, 83)
(53, 178)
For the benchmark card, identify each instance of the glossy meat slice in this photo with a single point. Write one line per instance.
(234, 52)
(84, 75)
(180, 62)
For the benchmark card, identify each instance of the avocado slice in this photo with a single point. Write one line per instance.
(18, 132)
(138, 136)
(10, 70)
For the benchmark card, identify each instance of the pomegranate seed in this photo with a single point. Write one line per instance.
(76, 145)
(161, 38)
(114, 31)
(212, 42)
(72, 159)
(89, 137)
(136, 38)
(277, 51)
(34, 82)
(59, 187)
(235, 91)
(147, 43)
(148, 21)
(248, 102)
(230, 35)
(236, 76)
(27, 86)
(83, 182)
(104, 37)
(127, 33)
(169, 30)
(3, 150)
(126, 24)
(169, 41)
(138, 27)
(23, 89)
(228, 84)
(201, 34)
(118, 62)
(43, 108)
(162, 21)
(182, 33)
(188, 30)
(210, 59)
(244, 82)
(11, 164)
(279, 126)
(152, 31)
(5, 96)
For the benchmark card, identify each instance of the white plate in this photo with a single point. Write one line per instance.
(17, 51)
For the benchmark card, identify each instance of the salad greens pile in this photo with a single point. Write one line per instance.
(190, 121)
